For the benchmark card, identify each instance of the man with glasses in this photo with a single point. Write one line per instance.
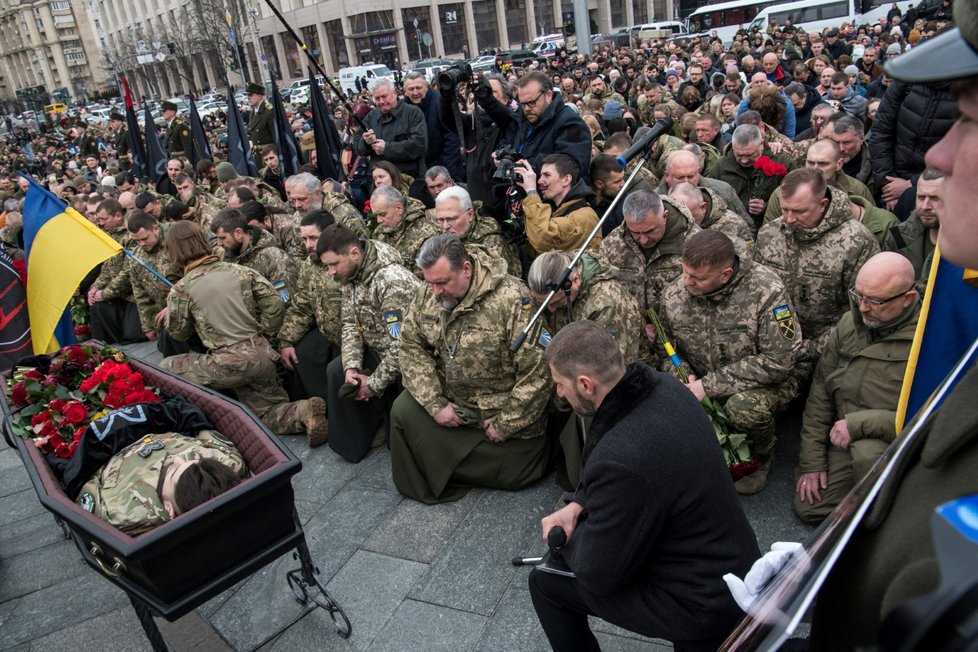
(850, 415)
(455, 213)
(544, 124)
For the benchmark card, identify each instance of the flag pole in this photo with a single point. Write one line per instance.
(147, 267)
(315, 62)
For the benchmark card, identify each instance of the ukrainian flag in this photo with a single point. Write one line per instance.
(61, 247)
(946, 329)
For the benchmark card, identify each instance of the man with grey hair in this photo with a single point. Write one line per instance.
(849, 134)
(456, 213)
(738, 167)
(394, 131)
(306, 194)
(684, 166)
(710, 212)
(474, 413)
(443, 148)
(647, 247)
(400, 224)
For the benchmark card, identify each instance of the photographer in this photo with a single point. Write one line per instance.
(481, 132)
(558, 216)
(545, 125)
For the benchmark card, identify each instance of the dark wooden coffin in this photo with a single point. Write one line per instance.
(179, 565)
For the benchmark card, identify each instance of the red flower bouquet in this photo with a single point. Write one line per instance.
(53, 407)
(770, 168)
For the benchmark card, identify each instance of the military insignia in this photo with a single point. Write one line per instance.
(283, 292)
(87, 502)
(526, 305)
(785, 321)
(149, 445)
(545, 337)
(614, 334)
(392, 320)
(216, 436)
(186, 132)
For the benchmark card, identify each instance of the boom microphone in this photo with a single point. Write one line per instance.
(661, 127)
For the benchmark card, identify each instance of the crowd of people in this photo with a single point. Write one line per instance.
(780, 227)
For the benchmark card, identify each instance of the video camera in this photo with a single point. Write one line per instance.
(507, 158)
(452, 77)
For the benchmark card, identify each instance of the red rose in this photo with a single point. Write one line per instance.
(57, 405)
(83, 330)
(40, 417)
(75, 354)
(18, 394)
(75, 413)
(20, 264)
(366, 206)
(34, 374)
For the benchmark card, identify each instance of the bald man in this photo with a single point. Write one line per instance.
(683, 166)
(850, 415)
(128, 200)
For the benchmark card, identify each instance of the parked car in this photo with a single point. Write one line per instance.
(515, 58)
(485, 63)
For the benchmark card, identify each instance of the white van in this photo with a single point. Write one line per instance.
(817, 15)
(348, 76)
(677, 28)
(547, 46)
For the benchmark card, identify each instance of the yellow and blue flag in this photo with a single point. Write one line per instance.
(946, 329)
(61, 247)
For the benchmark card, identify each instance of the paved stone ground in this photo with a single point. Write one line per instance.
(410, 576)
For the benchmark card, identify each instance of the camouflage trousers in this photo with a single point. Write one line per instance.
(753, 412)
(249, 369)
(846, 468)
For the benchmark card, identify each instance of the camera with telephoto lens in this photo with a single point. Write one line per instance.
(452, 77)
(506, 171)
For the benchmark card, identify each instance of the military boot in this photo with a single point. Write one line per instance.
(756, 481)
(312, 414)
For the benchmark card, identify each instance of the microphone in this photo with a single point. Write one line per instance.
(643, 143)
(556, 537)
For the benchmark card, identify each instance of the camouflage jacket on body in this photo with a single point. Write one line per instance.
(818, 265)
(288, 238)
(603, 299)
(462, 355)
(265, 257)
(224, 303)
(375, 303)
(408, 236)
(337, 205)
(203, 209)
(606, 97)
(720, 218)
(646, 109)
(740, 337)
(645, 276)
(852, 187)
(484, 232)
(315, 302)
(749, 182)
(148, 291)
(663, 147)
(113, 279)
(124, 492)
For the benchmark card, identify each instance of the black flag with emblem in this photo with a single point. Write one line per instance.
(288, 148)
(155, 154)
(239, 150)
(139, 165)
(202, 148)
(327, 139)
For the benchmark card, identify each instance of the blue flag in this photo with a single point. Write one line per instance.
(202, 148)
(947, 326)
(156, 155)
(239, 149)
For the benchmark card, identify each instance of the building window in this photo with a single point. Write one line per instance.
(617, 13)
(292, 61)
(310, 36)
(516, 22)
(544, 11)
(60, 5)
(453, 29)
(268, 44)
(641, 11)
(414, 35)
(337, 44)
(484, 12)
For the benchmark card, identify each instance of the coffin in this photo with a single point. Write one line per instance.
(183, 563)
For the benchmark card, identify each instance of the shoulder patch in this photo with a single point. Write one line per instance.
(392, 320)
(785, 321)
(544, 339)
(526, 304)
(283, 292)
(87, 502)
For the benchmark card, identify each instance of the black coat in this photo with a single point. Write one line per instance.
(803, 117)
(663, 520)
(443, 146)
(911, 118)
(560, 129)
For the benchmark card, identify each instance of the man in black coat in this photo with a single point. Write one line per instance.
(655, 521)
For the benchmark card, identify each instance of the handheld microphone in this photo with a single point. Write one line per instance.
(643, 143)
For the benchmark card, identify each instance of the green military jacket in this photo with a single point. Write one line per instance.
(720, 218)
(261, 125)
(852, 187)
(749, 182)
(316, 301)
(912, 240)
(645, 274)
(484, 232)
(375, 303)
(462, 355)
(408, 236)
(113, 279)
(265, 257)
(818, 265)
(179, 143)
(149, 292)
(740, 337)
(858, 379)
(124, 492)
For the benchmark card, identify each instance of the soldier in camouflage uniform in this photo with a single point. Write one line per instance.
(732, 323)
(149, 292)
(646, 248)
(710, 212)
(474, 413)
(255, 248)
(306, 194)
(311, 331)
(602, 93)
(233, 310)
(456, 214)
(654, 94)
(685, 166)
(114, 318)
(134, 491)
(817, 249)
(377, 291)
(203, 207)
(400, 226)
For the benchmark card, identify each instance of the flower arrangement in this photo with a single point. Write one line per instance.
(768, 170)
(54, 402)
